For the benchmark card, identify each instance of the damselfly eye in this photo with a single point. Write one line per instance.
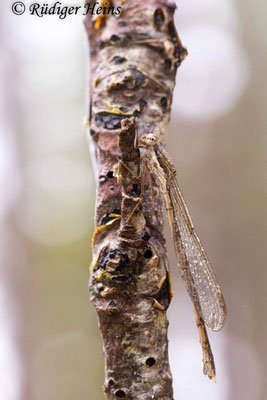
(151, 139)
(143, 140)
(148, 140)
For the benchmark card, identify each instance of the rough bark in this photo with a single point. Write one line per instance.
(134, 58)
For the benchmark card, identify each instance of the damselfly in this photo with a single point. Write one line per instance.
(196, 271)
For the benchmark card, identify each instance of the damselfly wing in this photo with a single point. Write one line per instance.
(197, 273)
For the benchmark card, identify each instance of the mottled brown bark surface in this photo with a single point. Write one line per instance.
(134, 58)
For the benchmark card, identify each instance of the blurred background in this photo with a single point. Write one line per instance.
(50, 346)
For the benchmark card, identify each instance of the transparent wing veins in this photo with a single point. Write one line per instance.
(197, 273)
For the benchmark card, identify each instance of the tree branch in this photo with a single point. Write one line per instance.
(134, 58)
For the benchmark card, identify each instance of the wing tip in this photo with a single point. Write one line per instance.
(217, 325)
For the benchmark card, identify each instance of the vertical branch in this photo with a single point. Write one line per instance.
(134, 58)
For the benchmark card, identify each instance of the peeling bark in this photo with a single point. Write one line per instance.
(134, 58)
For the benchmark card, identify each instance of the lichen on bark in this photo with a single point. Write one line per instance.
(134, 58)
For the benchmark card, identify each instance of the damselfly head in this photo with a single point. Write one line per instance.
(148, 140)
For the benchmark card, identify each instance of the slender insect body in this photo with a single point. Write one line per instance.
(196, 271)
(150, 159)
